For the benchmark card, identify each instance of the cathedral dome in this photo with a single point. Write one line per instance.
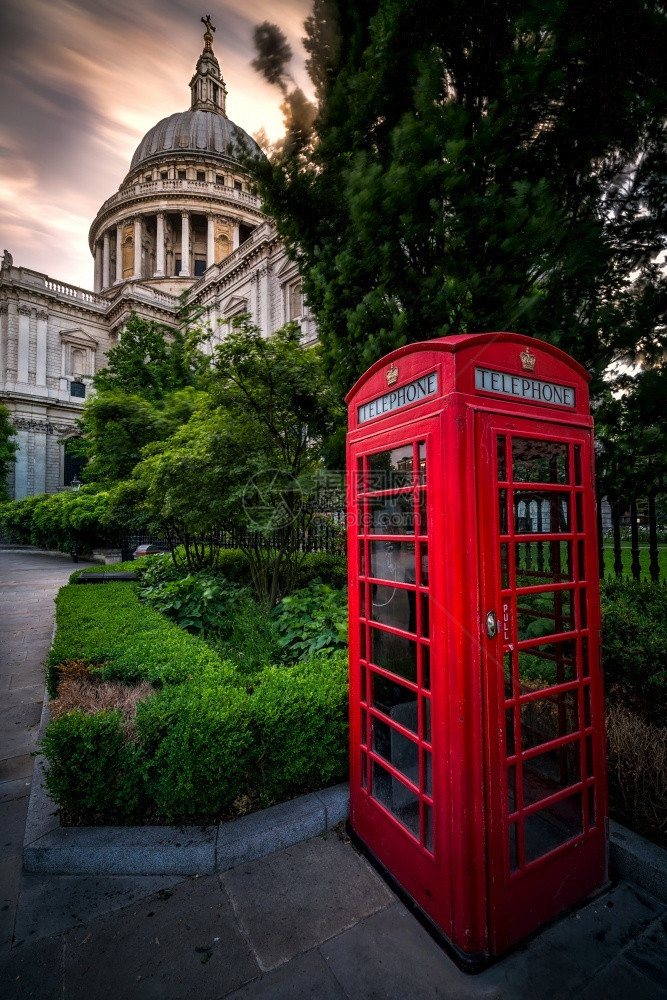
(208, 133)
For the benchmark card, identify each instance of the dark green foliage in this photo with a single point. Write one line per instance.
(478, 166)
(199, 603)
(93, 767)
(300, 718)
(198, 742)
(311, 621)
(7, 449)
(210, 742)
(634, 647)
(321, 565)
(149, 361)
(107, 625)
(62, 520)
(245, 459)
(248, 637)
(146, 391)
(631, 458)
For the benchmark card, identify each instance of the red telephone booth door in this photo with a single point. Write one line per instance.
(545, 795)
(394, 692)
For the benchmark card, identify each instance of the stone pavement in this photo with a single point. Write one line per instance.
(313, 921)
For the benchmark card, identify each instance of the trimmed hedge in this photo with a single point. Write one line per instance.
(207, 744)
(106, 625)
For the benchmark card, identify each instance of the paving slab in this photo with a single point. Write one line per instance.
(60, 903)
(305, 978)
(12, 821)
(620, 981)
(180, 946)
(574, 949)
(21, 712)
(317, 889)
(33, 974)
(389, 956)
(648, 953)
(17, 789)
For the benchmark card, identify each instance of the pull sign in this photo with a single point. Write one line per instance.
(491, 624)
(506, 623)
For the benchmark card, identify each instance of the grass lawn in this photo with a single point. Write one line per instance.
(626, 555)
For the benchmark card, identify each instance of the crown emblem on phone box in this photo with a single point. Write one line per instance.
(528, 360)
(392, 374)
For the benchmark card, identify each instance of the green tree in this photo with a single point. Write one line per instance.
(146, 390)
(244, 463)
(477, 166)
(148, 361)
(8, 448)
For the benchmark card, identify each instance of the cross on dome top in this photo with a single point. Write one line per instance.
(208, 37)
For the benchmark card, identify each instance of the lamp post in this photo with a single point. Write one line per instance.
(75, 486)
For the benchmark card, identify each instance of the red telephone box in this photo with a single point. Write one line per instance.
(477, 717)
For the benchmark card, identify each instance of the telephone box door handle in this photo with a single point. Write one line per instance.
(491, 625)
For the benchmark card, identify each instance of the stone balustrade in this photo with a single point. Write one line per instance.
(144, 188)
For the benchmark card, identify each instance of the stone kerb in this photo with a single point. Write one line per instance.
(49, 848)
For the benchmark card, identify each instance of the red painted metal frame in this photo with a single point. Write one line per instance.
(464, 884)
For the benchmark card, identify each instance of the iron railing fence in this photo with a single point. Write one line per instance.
(632, 538)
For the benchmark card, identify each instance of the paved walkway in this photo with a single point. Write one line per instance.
(313, 921)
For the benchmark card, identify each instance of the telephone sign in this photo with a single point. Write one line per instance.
(476, 704)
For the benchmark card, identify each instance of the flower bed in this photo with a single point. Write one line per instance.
(209, 742)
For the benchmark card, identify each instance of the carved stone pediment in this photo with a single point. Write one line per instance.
(78, 337)
(287, 270)
(234, 305)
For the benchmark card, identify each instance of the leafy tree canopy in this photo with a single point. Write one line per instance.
(146, 390)
(245, 458)
(148, 361)
(476, 166)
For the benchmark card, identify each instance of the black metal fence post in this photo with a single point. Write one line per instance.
(654, 567)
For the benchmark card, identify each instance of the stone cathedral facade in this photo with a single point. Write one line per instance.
(185, 218)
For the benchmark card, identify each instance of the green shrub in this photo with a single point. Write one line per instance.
(198, 742)
(107, 625)
(634, 646)
(300, 719)
(331, 569)
(93, 767)
(198, 602)
(249, 639)
(60, 520)
(312, 620)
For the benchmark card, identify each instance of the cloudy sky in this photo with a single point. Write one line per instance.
(81, 81)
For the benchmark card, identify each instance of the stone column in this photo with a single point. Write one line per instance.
(119, 251)
(159, 247)
(11, 344)
(4, 337)
(39, 461)
(98, 266)
(210, 242)
(21, 465)
(235, 238)
(185, 244)
(138, 228)
(40, 361)
(24, 344)
(106, 277)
